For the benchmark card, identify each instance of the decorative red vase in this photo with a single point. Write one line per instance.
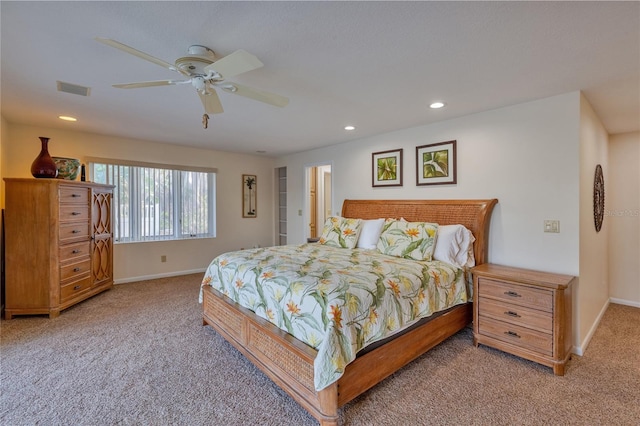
(43, 166)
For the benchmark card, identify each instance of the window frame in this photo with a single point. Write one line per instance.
(177, 202)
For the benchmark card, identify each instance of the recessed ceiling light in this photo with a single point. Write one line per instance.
(437, 105)
(349, 127)
(67, 118)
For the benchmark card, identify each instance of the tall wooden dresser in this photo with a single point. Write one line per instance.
(58, 244)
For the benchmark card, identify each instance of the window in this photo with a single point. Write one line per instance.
(158, 202)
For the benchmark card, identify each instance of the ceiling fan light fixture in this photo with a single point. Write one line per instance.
(437, 105)
(198, 83)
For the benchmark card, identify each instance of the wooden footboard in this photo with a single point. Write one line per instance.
(289, 362)
(286, 360)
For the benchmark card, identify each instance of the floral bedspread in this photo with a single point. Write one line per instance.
(335, 300)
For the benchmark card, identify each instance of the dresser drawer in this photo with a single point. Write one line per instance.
(71, 195)
(516, 335)
(74, 213)
(74, 251)
(77, 231)
(516, 294)
(76, 270)
(74, 288)
(514, 314)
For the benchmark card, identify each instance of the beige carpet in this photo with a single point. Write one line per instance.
(138, 355)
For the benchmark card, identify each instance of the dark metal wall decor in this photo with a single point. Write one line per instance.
(598, 198)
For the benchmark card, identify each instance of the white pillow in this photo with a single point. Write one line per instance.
(370, 233)
(455, 245)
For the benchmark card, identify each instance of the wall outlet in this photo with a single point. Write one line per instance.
(552, 226)
(163, 258)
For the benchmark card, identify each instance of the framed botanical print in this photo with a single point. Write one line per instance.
(249, 196)
(436, 163)
(386, 168)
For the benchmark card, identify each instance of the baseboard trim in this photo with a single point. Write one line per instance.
(583, 346)
(153, 277)
(625, 302)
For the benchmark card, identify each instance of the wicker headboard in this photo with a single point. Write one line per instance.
(474, 214)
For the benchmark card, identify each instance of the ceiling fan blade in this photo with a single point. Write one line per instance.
(236, 63)
(150, 84)
(136, 52)
(258, 95)
(211, 102)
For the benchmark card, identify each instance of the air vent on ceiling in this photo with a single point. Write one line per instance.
(74, 89)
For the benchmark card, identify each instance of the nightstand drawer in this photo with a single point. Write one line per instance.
(516, 335)
(508, 312)
(516, 294)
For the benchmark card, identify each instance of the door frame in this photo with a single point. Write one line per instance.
(306, 213)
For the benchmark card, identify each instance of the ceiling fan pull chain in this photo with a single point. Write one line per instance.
(205, 121)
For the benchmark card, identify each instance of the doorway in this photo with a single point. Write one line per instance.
(318, 199)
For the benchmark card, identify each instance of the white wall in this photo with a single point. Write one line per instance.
(593, 286)
(134, 261)
(525, 155)
(4, 137)
(622, 218)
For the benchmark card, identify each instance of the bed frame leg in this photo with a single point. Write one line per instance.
(328, 405)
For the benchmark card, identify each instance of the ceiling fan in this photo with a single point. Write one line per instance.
(205, 72)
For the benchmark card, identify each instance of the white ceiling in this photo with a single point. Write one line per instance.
(376, 65)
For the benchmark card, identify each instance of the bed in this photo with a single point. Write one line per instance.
(289, 362)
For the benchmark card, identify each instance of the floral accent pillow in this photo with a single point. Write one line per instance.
(409, 240)
(341, 232)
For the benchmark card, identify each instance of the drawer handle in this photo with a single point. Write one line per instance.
(76, 269)
(512, 294)
(75, 251)
(77, 287)
(512, 314)
(512, 334)
(75, 195)
(75, 231)
(75, 213)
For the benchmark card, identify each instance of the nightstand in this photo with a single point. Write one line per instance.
(526, 313)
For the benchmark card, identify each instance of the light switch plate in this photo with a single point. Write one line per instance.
(552, 226)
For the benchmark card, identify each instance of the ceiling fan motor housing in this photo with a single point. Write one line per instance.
(199, 57)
